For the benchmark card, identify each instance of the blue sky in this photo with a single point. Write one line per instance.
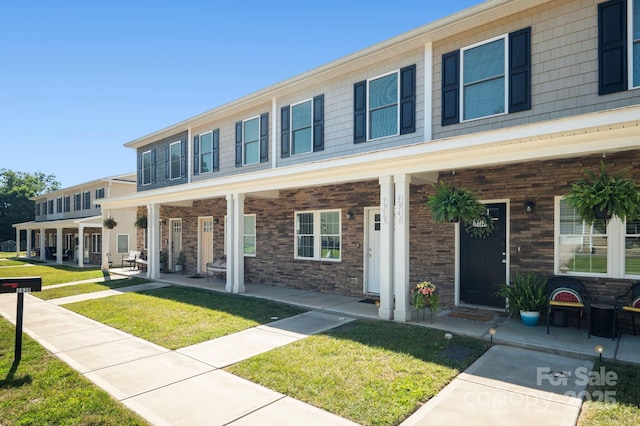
(78, 79)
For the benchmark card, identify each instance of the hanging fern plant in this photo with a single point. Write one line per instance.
(599, 197)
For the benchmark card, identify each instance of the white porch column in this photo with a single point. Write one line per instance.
(59, 249)
(153, 241)
(238, 243)
(228, 230)
(43, 255)
(105, 250)
(29, 248)
(385, 311)
(18, 241)
(80, 246)
(401, 247)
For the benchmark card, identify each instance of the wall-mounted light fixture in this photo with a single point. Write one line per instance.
(529, 206)
(349, 215)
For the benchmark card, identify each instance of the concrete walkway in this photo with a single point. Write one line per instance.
(507, 385)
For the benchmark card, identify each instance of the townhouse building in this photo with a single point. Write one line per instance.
(321, 181)
(68, 225)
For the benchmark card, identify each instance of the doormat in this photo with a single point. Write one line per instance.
(474, 316)
(195, 276)
(457, 353)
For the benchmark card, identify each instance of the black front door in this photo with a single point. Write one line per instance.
(483, 261)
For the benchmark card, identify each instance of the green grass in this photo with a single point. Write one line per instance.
(43, 390)
(623, 391)
(588, 263)
(372, 372)
(72, 290)
(51, 274)
(175, 317)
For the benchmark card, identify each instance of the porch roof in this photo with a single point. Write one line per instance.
(93, 221)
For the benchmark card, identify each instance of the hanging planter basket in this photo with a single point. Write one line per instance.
(110, 223)
(602, 196)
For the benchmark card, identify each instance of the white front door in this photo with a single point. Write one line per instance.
(372, 244)
(206, 242)
(176, 241)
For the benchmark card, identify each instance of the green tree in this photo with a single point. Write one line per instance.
(16, 191)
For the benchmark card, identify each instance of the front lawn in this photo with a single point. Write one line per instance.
(372, 372)
(175, 317)
(614, 396)
(51, 274)
(42, 390)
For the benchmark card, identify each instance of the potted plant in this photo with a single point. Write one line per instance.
(599, 197)
(180, 261)
(526, 295)
(109, 222)
(424, 295)
(141, 222)
(451, 204)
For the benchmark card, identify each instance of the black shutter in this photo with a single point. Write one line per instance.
(196, 155)
(264, 137)
(216, 150)
(167, 162)
(450, 88)
(612, 47)
(285, 120)
(183, 158)
(408, 100)
(520, 70)
(360, 112)
(139, 169)
(318, 123)
(239, 144)
(153, 166)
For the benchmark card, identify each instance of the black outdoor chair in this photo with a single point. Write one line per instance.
(567, 294)
(629, 303)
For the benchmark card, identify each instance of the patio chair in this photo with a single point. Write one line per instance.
(629, 303)
(218, 266)
(567, 294)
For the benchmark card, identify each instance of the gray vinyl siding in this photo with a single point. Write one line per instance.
(161, 180)
(564, 80)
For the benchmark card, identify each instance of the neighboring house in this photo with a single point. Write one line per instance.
(320, 182)
(68, 225)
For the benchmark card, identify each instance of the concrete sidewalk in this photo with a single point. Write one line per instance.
(183, 387)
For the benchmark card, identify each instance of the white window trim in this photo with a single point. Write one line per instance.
(200, 152)
(118, 246)
(506, 77)
(630, 31)
(616, 235)
(179, 143)
(244, 147)
(96, 249)
(317, 235)
(255, 237)
(243, 234)
(397, 72)
(144, 154)
(291, 129)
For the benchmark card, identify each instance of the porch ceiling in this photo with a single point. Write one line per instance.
(610, 131)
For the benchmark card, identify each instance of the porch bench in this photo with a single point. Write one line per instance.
(219, 266)
(142, 264)
(130, 260)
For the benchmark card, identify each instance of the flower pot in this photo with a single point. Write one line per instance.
(530, 318)
(178, 268)
(602, 214)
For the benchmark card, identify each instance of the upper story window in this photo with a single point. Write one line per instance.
(77, 204)
(302, 127)
(67, 204)
(59, 205)
(618, 46)
(99, 193)
(488, 78)
(175, 160)
(86, 200)
(50, 207)
(385, 105)
(145, 166)
(597, 249)
(483, 79)
(206, 152)
(318, 235)
(252, 140)
(37, 209)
